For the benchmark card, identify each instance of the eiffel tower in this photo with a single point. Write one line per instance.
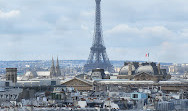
(98, 57)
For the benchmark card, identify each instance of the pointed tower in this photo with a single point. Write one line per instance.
(98, 57)
(58, 70)
(52, 69)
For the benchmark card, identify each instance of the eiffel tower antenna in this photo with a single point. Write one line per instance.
(98, 57)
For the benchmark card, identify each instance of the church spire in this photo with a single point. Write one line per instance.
(58, 70)
(52, 69)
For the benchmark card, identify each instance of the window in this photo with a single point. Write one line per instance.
(135, 95)
(53, 82)
(7, 84)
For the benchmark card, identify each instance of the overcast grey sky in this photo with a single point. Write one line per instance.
(38, 29)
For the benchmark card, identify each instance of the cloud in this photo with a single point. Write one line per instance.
(43, 28)
(10, 14)
(88, 13)
(130, 42)
(155, 31)
(173, 51)
(84, 27)
(127, 36)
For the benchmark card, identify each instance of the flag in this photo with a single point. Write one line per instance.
(147, 54)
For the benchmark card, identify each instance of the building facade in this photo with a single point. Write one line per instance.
(11, 74)
(143, 71)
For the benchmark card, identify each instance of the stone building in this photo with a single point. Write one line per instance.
(99, 74)
(185, 76)
(143, 71)
(83, 76)
(78, 84)
(11, 74)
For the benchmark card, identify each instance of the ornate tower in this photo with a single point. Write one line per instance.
(98, 57)
(52, 69)
(57, 69)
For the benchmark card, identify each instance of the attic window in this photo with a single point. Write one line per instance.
(135, 95)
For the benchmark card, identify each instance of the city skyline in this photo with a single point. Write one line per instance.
(35, 30)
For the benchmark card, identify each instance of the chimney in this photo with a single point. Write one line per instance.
(129, 69)
(140, 64)
(159, 69)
